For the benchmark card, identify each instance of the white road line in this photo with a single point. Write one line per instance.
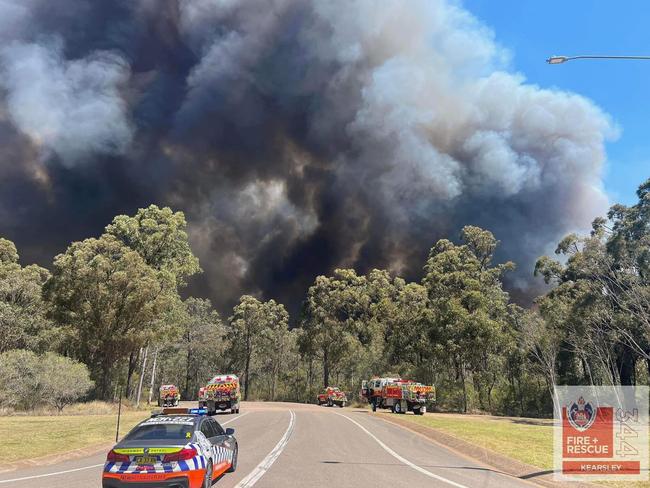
(51, 474)
(85, 467)
(236, 418)
(254, 476)
(400, 458)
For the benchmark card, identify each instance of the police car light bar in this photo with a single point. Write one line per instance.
(186, 411)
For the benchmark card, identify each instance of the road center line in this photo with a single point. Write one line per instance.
(254, 476)
(45, 475)
(400, 458)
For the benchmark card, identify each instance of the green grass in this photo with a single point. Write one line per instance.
(37, 436)
(527, 440)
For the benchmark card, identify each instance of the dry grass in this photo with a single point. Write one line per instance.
(80, 426)
(88, 408)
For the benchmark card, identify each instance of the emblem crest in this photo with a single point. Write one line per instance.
(581, 415)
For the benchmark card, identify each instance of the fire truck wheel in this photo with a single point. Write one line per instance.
(329, 403)
(397, 407)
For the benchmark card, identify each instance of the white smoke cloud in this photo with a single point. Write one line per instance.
(426, 128)
(301, 135)
(70, 107)
(443, 131)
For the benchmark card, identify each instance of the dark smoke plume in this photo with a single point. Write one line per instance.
(297, 135)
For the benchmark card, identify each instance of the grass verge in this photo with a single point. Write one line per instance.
(32, 436)
(527, 440)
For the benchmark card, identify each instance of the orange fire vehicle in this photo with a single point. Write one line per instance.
(399, 395)
(169, 396)
(222, 392)
(331, 396)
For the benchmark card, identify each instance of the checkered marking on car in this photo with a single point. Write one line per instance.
(218, 455)
(221, 454)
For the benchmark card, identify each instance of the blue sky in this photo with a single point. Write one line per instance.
(534, 30)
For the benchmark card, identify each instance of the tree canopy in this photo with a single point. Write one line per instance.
(159, 235)
(108, 299)
(112, 305)
(23, 321)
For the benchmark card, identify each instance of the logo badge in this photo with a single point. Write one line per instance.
(581, 415)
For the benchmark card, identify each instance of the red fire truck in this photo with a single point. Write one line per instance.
(221, 393)
(398, 394)
(331, 396)
(168, 396)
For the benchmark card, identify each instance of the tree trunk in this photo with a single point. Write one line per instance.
(104, 383)
(489, 392)
(625, 362)
(153, 376)
(133, 362)
(188, 360)
(462, 378)
(144, 366)
(246, 376)
(310, 375)
(273, 381)
(521, 396)
(326, 369)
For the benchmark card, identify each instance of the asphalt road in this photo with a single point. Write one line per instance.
(293, 445)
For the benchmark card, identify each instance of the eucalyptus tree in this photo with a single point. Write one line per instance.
(159, 236)
(256, 334)
(334, 317)
(469, 307)
(108, 301)
(23, 321)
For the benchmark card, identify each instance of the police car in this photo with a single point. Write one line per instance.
(178, 448)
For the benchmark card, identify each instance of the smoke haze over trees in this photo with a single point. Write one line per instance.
(110, 304)
(296, 136)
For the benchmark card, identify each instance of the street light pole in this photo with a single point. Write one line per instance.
(564, 59)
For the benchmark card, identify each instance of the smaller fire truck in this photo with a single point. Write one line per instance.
(331, 396)
(221, 393)
(399, 395)
(168, 396)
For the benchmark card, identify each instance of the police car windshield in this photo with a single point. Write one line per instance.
(163, 429)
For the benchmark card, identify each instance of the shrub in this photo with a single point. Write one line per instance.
(19, 379)
(28, 380)
(63, 380)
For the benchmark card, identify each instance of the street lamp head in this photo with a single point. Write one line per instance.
(557, 59)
